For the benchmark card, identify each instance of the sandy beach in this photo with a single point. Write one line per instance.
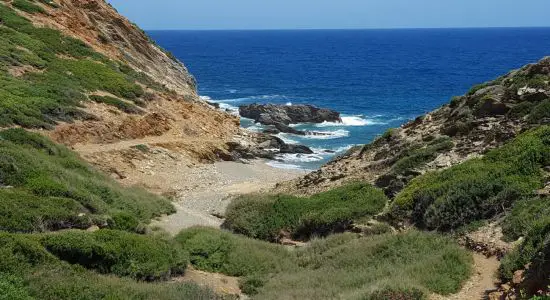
(208, 189)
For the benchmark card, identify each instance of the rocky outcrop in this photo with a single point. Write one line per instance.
(281, 116)
(486, 117)
(98, 24)
(250, 145)
(272, 114)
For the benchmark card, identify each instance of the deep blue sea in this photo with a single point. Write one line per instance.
(376, 78)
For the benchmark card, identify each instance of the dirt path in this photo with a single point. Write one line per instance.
(482, 281)
(219, 283)
(200, 191)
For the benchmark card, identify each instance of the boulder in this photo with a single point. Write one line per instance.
(492, 107)
(271, 130)
(292, 148)
(271, 114)
(287, 129)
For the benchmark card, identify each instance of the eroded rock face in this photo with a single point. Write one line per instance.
(271, 114)
(99, 25)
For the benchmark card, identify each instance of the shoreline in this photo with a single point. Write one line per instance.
(210, 188)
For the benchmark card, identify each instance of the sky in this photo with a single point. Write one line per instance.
(333, 14)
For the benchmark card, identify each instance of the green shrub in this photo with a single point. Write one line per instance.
(54, 189)
(13, 288)
(64, 282)
(141, 147)
(388, 134)
(411, 264)
(19, 254)
(117, 252)
(418, 157)
(123, 106)
(24, 212)
(29, 271)
(27, 6)
(478, 188)
(525, 215)
(540, 112)
(520, 110)
(267, 216)
(250, 285)
(478, 87)
(535, 251)
(340, 266)
(532, 81)
(218, 251)
(124, 221)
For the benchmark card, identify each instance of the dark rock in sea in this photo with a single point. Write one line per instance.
(271, 130)
(287, 129)
(271, 114)
(291, 148)
(215, 105)
(265, 146)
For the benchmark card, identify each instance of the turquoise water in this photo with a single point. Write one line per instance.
(376, 78)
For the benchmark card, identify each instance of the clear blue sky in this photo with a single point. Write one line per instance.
(310, 14)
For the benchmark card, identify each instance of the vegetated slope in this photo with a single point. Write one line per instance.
(482, 158)
(486, 117)
(100, 265)
(80, 73)
(45, 187)
(508, 184)
(343, 266)
(275, 217)
(79, 69)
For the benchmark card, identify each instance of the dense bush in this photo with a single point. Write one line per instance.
(267, 216)
(341, 266)
(412, 265)
(534, 252)
(20, 253)
(54, 189)
(540, 112)
(478, 188)
(525, 215)
(29, 271)
(218, 251)
(13, 288)
(63, 282)
(530, 219)
(117, 252)
(418, 157)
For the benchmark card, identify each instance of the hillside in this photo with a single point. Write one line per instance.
(100, 129)
(476, 168)
(99, 79)
(489, 115)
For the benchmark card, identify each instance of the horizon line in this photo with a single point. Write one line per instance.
(336, 29)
